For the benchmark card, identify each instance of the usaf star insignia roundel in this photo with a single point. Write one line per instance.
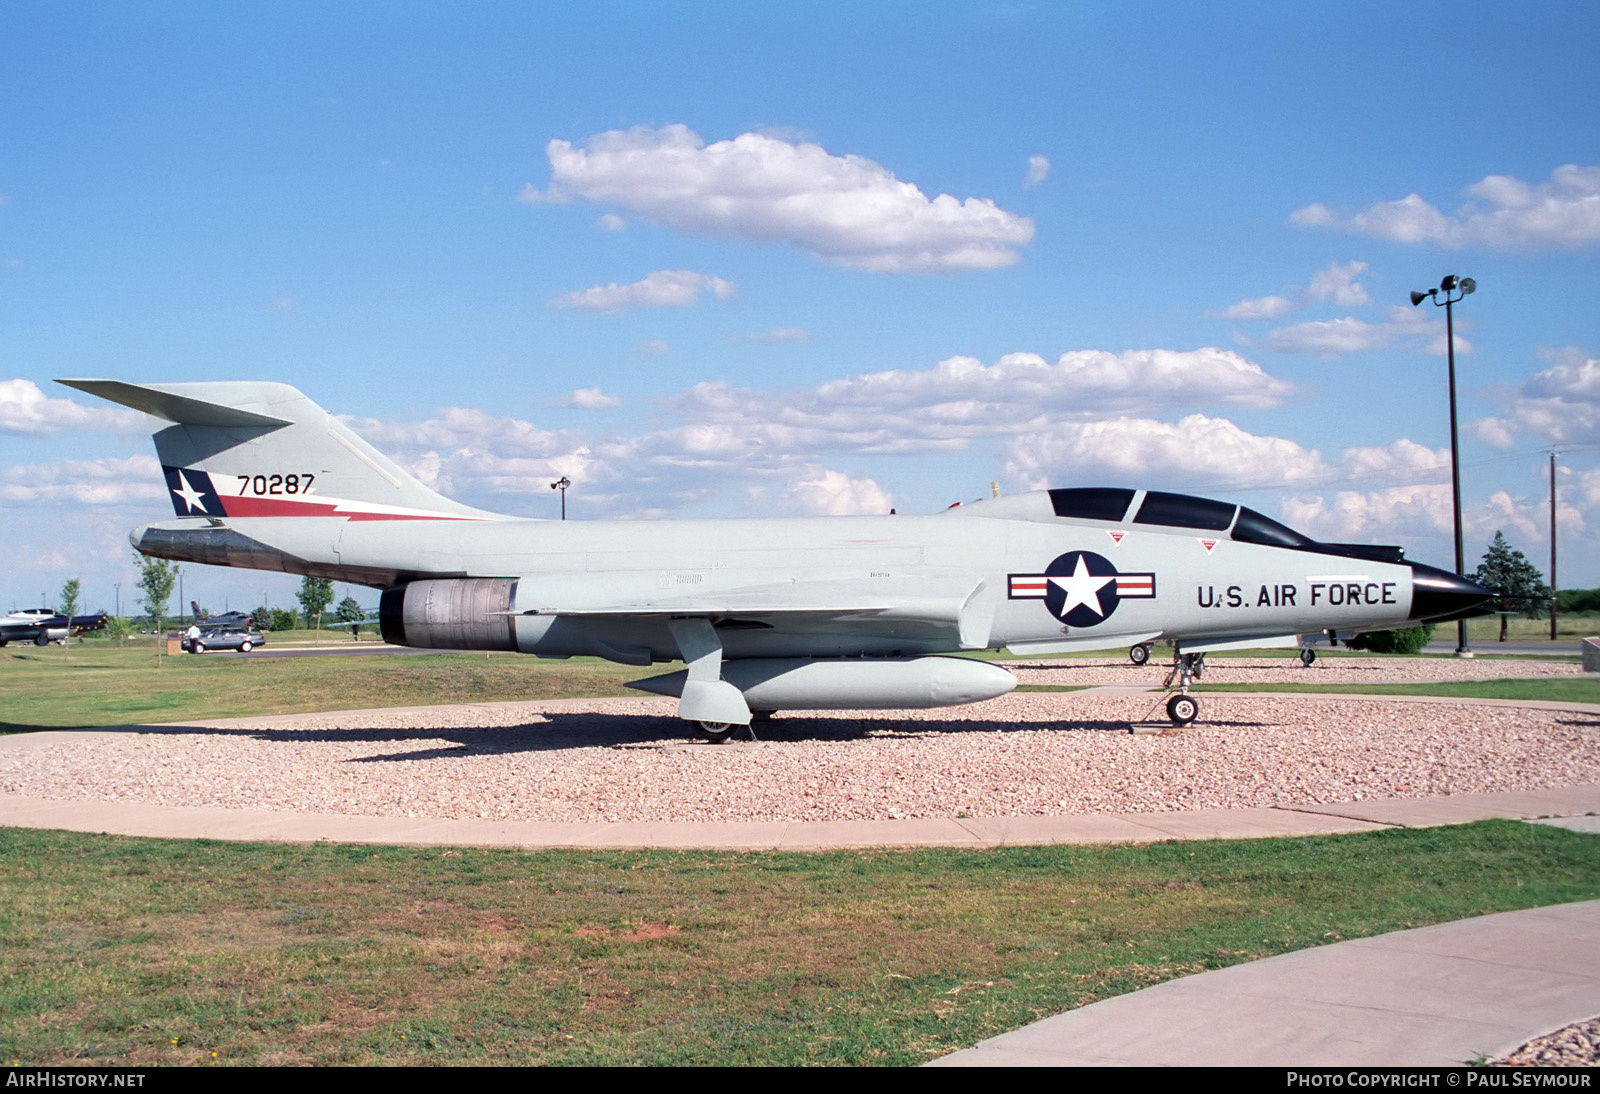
(1081, 588)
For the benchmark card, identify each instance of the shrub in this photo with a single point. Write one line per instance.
(1404, 640)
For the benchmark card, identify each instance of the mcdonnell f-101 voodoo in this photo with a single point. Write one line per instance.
(767, 614)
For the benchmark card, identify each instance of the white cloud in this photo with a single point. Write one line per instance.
(86, 482)
(1260, 307)
(832, 493)
(1038, 171)
(778, 336)
(778, 443)
(1410, 511)
(1202, 452)
(29, 412)
(1196, 450)
(1335, 282)
(842, 209)
(592, 398)
(1085, 381)
(653, 347)
(1559, 404)
(1561, 213)
(662, 289)
(611, 222)
(460, 427)
(1347, 334)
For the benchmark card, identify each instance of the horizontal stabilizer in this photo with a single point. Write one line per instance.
(182, 409)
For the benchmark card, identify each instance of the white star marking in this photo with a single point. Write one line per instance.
(190, 496)
(1082, 588)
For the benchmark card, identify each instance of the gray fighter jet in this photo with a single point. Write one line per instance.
(768, 614)
(41, 626)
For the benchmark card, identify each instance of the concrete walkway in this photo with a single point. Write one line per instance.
(1434, 997)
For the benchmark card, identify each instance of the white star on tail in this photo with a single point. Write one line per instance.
(1082, 588)
(191, 496)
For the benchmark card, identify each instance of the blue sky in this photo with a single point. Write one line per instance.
(729, 260)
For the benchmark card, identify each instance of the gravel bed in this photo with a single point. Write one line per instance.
(1288, 670)
(1043, 753)
(1578, 1045)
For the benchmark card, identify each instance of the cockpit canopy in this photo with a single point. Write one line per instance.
(1157, 507)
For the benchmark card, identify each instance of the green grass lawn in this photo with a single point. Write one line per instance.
(134, 952)
(99, 684)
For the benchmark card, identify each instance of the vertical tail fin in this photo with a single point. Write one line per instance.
(257, 449)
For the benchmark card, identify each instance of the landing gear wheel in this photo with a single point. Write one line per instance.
(245, 647)
(1183, 709)
(41, 641)
(1138, 654)
(716, 732)
(1307, 657)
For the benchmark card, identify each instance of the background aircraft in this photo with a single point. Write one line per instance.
(225, 619)
(44, 625)
(768, 614)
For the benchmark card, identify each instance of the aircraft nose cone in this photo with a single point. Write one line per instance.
(1438, 595)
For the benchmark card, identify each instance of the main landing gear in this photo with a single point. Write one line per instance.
(1184, 708)
(718, 732)
(1139, 654)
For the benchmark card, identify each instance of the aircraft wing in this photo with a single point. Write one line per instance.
(957, 604)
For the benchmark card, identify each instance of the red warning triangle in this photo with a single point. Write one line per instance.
(1208, 544)
(1116, 537)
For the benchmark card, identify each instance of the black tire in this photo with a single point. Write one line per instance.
(716, 732)
(41, 640)
(245, 647)
(1308, 657)
(198, 647)
(1139, 654)
(1183, 709)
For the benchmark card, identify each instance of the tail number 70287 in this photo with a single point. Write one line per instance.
(266, 485)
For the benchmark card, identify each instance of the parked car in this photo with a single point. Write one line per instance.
(239, 638)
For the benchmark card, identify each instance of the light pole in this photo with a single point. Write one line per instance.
(1554, 607)
(1460, 286)
(561, 484)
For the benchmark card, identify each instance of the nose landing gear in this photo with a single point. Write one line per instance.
(1184, 708)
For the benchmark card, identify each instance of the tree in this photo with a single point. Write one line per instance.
(69, 608)
(351, 613)
(156, 578)
(1518, 582)
(315, 594)
(69, 598)
(262, 617)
